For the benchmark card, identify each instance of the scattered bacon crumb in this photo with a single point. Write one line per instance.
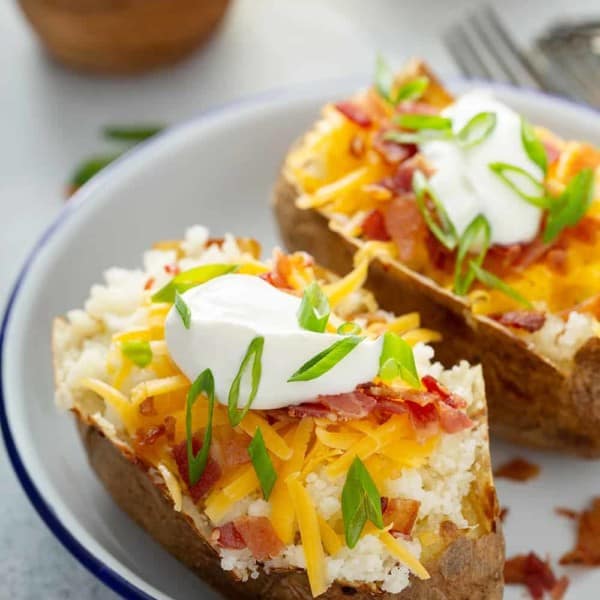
(312, 409)
(353, 405)
(373, 227)
(518, 469)
(235, 449)
(503, 513)
(149, 283)
(354, 113)
(227, 536)
(171, 269)
(150, 436)
(209, 477)
(146, 407)
(453, 420)
(392, 152)
(357, 146)
(536, 574)
(433, 386)
(401, 181)
(259, 537)
(402, 514)
(170, 423)
(587, 548)
(529, 320)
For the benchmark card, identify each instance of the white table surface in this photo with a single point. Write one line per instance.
(50, 118)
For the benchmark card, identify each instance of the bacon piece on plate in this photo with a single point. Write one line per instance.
(453, 420)
(528, 320)
(259, 536)
(402, 514)
(354, 113)
(227, 536)
(536, 574)
(209, 477)
(587, 548)
(518, 469)
(351, 405)
(407, 228)
(373, 227)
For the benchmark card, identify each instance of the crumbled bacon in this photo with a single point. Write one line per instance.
(354, 113)
(373, 227)
(170, 424)
(392, 152)
(518, 469)
(423, 417)
(227, 536)
(402, 514)
(146, 407)
(149, 283)
(352, 405)
(401, 181)
(310, 409)
(407, 229)
(394, 407)
(149, 436)
(171, 269)
(209, 477)
(453, 420)
(528, 320)
(259, 537)
(235, 449)
(536, 574)
(557, 260)
(587, 548)
(432, 385)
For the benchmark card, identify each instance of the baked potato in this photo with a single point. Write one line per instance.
(376, 180)
(383, 490)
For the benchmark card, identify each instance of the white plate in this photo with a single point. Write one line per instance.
(216, 170)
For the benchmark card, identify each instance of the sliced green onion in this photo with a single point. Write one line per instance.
(571, 206)
(361, 502)
(418, 137)
(384, 78)
(131, 133)
(349, 328)
(398, 360)
(494, 282)
(138, 352)
(183, 309)
(204, 383)
(517, 179)
(533, 146)
(189, 279)
(479, 227)
(477, 129)
(86, 170)
(326, 360)
(261, 461)
(313, 312)
(254, 354)
(414, 121)
(412, 90)
(446, 234)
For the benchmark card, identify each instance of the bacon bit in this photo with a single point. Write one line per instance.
(235, 450)
(149, 283)
(537, 575)
(518, 469)
(384, 500)
(354, 113)
(227, 536)
(317, 411)
(453, 420)
(209, 477)
(171, 269)
(557, 260)
(352, 405)
(146, 407)
(402, 514)
(392, 152)
(529, 320)
(432, 385)
(401, 181)
(422, 417)
(150, 435)
(357, 146)
(503, 513)
(407, 229)
(587, 548)
(373, 227)
(259, 537)
(567, 512)
(586, 230)
(170, 423)
(391, 406)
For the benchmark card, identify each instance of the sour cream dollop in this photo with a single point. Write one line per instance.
(228, 312)
(464, 182)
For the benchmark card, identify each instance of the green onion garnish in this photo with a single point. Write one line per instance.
(261, 461)
(313, 312)
(494, 282)
(138, 352)
(384, 78)
(86, 170)
(418, 137)
(477, 229)
(533, 146)
(131, 133)
(571, 206)
(326, 360)
(414, 121)
(196, 464)
(349, 328)
(412, 90)
(254, 354)
(189, 279)
(521, 182)
(397, 360)
(361, 502)
(183, 309)
(446, 234)
(477, 129)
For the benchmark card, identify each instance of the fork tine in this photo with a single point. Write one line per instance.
(580, 78)
(461, 49)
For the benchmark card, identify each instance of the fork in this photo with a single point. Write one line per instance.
(483, 49)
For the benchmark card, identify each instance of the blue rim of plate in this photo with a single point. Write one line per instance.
(99, 569)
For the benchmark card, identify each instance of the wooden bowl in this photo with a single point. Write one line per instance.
(122, 36)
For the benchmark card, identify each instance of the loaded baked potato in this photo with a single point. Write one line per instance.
(485, 224)
(363, 471)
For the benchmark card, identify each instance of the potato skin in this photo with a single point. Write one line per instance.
(530, 400)
(468, 569)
